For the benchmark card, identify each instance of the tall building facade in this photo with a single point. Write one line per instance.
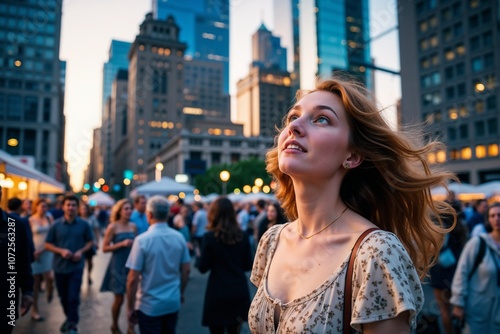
(449, 69)
(155, 95)
(264, 96)
(118, 59)
(204, 28)
(267, 51)
(31, 83)
(324, 36)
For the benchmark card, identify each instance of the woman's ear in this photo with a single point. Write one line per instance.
(352, 161)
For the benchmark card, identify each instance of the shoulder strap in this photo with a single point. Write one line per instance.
(348, 281)
(479, 257)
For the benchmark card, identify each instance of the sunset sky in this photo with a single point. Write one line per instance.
(89, 26)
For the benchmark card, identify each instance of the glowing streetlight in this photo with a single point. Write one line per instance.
(259, 182)
(158, 169)
(224, 177)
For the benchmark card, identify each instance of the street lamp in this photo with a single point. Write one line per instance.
(159, 168)
(224, 177)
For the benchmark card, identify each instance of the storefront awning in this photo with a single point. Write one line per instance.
(46, 184)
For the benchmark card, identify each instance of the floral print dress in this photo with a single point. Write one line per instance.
(385, 283)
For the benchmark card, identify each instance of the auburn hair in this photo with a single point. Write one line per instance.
(222, 221)
(391, 187)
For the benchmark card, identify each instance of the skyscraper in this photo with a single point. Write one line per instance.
(267, 51)
(31, 83)
(118, 59)
(324, 36)
(449, 80)
(204, 27)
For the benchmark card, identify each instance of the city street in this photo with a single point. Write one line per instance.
(95, 307)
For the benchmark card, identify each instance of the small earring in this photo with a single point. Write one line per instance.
(346, 165)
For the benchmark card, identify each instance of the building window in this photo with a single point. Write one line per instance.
(30, 108)
(474, 3)
(235, 143)
(479, 106)
(466, 153)
(46, 109)
(463, 131)
(215, 142)
(235, 157)
(458, 29)
(479, 128)
(454, 154)
(450, 92)
(448, 73)
(452, 113)
(488, 60)
(460, 69)
(473, 22)
(474, 43)
(486, 16)
(216, 158)
(423, 26)
(29, 142)
(452, 134)
(424, 63)
(447, 36)
(435, 59)
(461, 90)
(195, 141)
(424, 44)
(463, 111)
(492, 126)
(460, 49)
(446, 14)
(487, 39)
(433, 40)
(14, 107)
(195, 155)
(491, 102)
(480, 151)
(493, 150)
(449, 54)
(477, 64)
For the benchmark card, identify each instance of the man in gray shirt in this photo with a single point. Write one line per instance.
(69, 238)
(159, 266)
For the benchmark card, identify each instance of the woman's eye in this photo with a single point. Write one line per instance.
(291, 118)
(322, 120)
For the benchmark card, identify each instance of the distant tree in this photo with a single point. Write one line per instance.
(242, 173)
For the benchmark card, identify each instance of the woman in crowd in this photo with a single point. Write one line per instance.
(226, 254)
(118, 239)
(40, 223)
(476, 287)
(274, 215)
(85, 212)
(180, 224)
(341, 170)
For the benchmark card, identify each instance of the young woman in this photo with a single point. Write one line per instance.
(274, 215)
(85, 212)
(118, 239)
(40, 223)
(475, 295)
(226, 254)
(340, 171)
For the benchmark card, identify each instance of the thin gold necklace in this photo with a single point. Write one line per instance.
(324, 228)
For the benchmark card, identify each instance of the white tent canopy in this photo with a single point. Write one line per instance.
(166, 186)
(489, 188)
(100, 198)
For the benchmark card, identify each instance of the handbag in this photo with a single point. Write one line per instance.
(446, 257)
(348, 281)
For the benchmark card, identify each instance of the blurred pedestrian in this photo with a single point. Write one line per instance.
(159, 266)
(480, 207)
(139, 214)
(16, 279)
(69, 238)
(40, 223)
(180, 224)
(85, 212)
(274, 216)
(118, 239)
(227, 255)
(476, 284)
(198, 228)
(14, 208)
(26, 208)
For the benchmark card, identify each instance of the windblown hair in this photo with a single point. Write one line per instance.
(391, 187)
(117, 208)
(222, 220)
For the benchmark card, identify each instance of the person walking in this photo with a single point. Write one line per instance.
(138, 216)
(476, 284)
(40, 223)
(227, 255)
(159, 266)
(69, 238)
(198, 228)
(85, 212)
(118, 239)
(362, 230)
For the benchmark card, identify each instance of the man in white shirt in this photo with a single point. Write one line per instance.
(159, 266)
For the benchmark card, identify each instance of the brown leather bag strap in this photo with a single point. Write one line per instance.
(348, 281)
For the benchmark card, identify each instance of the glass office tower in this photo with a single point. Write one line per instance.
(204, 27)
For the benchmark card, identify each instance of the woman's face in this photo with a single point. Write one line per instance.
(126, 211)
(272, 215)
(41, 208)
(494, 218)
(316, 137)
(82, 210)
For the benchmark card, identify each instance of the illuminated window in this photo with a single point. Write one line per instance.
(441, 156)
(423, 26)
(434, 40)
(479, 106)
(140, 141)
(463, 112)
(424, 63)
(424, 44)
(167, 52)
(435, 59)
(480, 151)
(141, 47)
(452, 113)
(449, 54)
(466, 153)
(433, 21)
(460, 49)
(493, 150)
(140, 161)
(454, 155)
(473, 3)
(447, 35)
(431, 158)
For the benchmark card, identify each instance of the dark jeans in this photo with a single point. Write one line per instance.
(164, 324)
(68, 287)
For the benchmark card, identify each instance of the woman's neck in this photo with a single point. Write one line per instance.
(495, 235)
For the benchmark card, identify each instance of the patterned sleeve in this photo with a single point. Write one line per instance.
(261, 256)
(385, 282)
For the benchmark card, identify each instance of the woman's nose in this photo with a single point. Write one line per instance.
(296, 127)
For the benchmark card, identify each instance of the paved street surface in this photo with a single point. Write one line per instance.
(95, 307)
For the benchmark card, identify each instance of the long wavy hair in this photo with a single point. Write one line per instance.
(391, 187)
(117, 208)
(222, 220)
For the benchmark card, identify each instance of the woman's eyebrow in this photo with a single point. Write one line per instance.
(322, 107)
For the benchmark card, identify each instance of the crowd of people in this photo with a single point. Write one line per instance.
(347, 247)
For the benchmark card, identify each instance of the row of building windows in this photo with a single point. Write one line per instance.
(480, 87)
(482, 128)
(161, 51)
(18, 141)
(219, 142)
(25, 85)
(448, 13)
(460, 111)
(24, 108)
(465, 153)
